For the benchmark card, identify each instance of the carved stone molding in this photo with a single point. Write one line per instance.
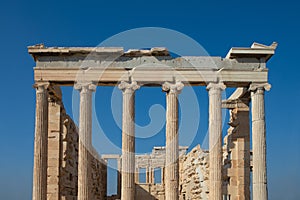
(173, 87)
(216, 86)
(128, 87)
(84, 86)
(41, 86)
(255, 86)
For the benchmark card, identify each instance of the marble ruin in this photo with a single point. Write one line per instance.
(66, 166)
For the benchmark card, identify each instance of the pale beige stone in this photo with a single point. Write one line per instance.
(76, 171)
(260, 191)
(236, 151)
(128, 140)
(40, 143)
(85, 138)
(63, 158)
(172, 151)
(215, 140)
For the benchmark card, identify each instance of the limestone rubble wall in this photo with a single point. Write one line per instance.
(194, 169)
(194, 175)
(98, 176)
(63, 159)
(193, 172)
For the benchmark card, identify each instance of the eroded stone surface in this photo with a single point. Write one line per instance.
(62, 181)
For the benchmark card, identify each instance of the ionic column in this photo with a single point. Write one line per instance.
(172, 150)
(215, 140)
(85, 137)
(128, 140)
(40, 143)
(259, 141)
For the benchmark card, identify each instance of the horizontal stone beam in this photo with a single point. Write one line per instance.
(234, 104)
(150, 76)
(110, 156)
(116, 61)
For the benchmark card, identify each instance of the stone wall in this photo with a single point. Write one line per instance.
(63, 157)
(236, 156)
(194, 175)
(194, 168)
(151, 162)
(69, 160)
(98, 176)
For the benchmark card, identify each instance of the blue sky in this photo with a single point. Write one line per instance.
(216, 25)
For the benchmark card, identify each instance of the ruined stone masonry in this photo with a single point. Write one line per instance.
(194, 175)
(62, 173)
(66, 166)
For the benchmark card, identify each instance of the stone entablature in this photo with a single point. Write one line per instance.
(241, 67)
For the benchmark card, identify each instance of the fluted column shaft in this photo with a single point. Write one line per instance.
(128, 141)
(215, 140)
(259, 141)
(85, 137)
(40, 143)
(172, 150)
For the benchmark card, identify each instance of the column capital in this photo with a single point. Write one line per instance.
(41, 86)
(261, 86)
(85, 86)
(128, 87)
(173, 87)
(216, 86)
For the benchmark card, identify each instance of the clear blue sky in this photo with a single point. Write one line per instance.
(216, 25)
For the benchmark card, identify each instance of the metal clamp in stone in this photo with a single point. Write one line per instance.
(259, 86)
(128, 87)
(85, 86)
(173, 87)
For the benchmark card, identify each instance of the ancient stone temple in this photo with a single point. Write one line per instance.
(66, 166)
